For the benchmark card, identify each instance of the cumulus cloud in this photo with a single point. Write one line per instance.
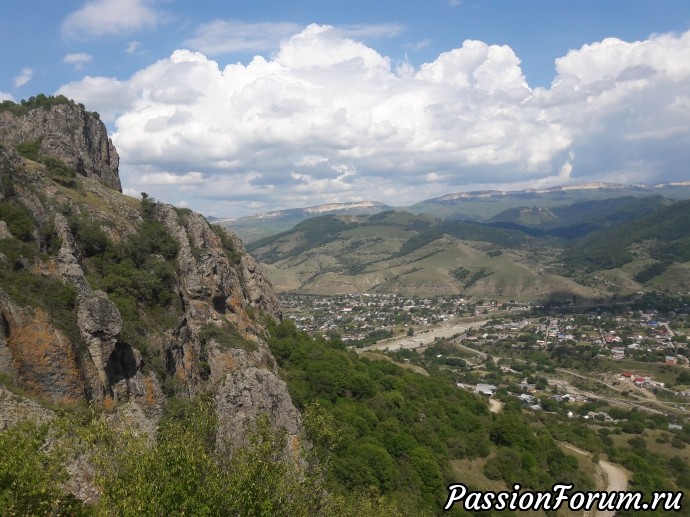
(24, 77)
(327, 118)
(106, 17)
(6, 97)
(78, 60)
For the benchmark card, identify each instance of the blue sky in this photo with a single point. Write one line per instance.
(238, 107)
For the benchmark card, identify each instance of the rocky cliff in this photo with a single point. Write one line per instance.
(122, 302)
(64, 131)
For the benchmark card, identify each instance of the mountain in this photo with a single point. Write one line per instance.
(254, 227)
(483, 205)
(142, 359)
(652, 250)
(413, 254)
(54, 129)
(588, 249)
(120, 303)
(578, 219)
(493, 206)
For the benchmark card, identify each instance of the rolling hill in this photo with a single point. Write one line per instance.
(401, 252)
(628, 244)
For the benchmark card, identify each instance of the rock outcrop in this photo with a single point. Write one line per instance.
(38, 355)
(68, 133)
(210, 333)
(246, 393)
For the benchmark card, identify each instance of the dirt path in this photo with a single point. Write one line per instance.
(495, 406)
(616, 481)
(615, 476)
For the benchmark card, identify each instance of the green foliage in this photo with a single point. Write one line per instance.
(460, 274)
(29, 149)
(41, 101)
(184, 472)
(226, 336)
(89, 234)
(314, 233)
(397, 429)
(652, 270)
(668, 226)
(31, 290)
(139, 274)
(31, 475)
(139, 268)
(59, 170)
(20, 221)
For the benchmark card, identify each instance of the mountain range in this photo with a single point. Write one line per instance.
(478, 206)
(588, 249)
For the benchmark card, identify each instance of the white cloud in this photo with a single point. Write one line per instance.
(105, 17)
(168, 178)
(418, 45)
(78, 60)
(327, 118)
(132, 47)
(24, 77)
(6, 97)
(367, 31)
(106, 95)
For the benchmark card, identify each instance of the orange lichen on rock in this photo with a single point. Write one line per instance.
(108, 403)
(42, 357)
(150, 398)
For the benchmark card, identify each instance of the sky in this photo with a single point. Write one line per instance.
(237, 107)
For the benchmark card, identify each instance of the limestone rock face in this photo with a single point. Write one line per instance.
(245, 395)
(15, 408)
(217, 293)
(69, 133)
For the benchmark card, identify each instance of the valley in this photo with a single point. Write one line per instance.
(147, 362)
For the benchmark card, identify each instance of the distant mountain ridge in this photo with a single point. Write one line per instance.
(561, 188)
(257, 226)
(479, 206)
(590, 250)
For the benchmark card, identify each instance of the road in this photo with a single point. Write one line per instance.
(425, 338)
(662, 406)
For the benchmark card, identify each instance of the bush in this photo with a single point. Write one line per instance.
(31, 477)
(20, 221)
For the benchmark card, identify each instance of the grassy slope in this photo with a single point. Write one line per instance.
(399, 252)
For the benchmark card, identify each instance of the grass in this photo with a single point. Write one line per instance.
(226, 336)
(373, 356)
(658, 371)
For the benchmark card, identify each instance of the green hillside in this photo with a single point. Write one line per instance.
(402, 252)
(662, 236)
(578, 219)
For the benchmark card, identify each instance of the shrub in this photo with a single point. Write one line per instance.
(31, 477)
(226, 336)
(19, 219)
